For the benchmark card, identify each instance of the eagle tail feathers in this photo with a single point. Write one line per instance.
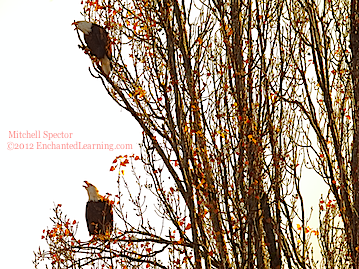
(106, 65)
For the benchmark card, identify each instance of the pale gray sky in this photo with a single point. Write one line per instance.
(45, 85)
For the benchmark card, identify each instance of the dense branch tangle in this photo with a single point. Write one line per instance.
(203, 82)
(222, 92)
(327, 99)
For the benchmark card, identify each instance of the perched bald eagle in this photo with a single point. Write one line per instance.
(99, 214)
(98, 42)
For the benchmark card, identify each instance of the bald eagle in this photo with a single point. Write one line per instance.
(98, 42)
(99, 214)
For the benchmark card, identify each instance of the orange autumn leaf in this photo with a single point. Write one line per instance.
(125, 162)
(188, 226)
(112, 168)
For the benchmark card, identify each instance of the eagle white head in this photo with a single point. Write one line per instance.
(84, 26)
(92, 192)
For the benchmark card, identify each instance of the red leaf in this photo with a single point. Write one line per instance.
(124, 162)
(188, 226)
(113, 168)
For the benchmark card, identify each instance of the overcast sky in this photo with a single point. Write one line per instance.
(46, 87)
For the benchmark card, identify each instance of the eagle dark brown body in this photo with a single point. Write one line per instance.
(99, 216)
(98, 42)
